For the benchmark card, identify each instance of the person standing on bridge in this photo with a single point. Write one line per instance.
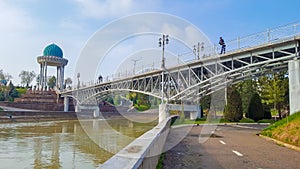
(223, 46)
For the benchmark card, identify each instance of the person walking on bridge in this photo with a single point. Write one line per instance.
(223, 46)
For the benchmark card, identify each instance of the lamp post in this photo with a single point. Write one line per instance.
(197, 49)
(134, 64)
(161, 43)
(78, 84)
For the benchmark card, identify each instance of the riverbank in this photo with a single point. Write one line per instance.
(35, 116)
(15, 116)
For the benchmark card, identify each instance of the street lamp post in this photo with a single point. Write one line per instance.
(161, 43)
(78, 84)
(197, 49)
(134, 64)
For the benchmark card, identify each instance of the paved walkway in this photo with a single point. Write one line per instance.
(228, 147)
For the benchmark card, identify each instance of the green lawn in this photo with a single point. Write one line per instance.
(21, 91)
(215, 121)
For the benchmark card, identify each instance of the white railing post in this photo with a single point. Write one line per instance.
(268, 35)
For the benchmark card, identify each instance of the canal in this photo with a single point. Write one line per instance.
(65, 144)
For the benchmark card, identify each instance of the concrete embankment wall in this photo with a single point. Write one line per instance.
(35, 106)
(35, 116)
(144, 152)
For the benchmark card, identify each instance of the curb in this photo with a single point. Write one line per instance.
(296, 148)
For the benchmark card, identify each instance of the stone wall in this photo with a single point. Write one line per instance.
(39, 100)
(35, 116)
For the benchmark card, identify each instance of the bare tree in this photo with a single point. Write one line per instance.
(5, 76)
(26, 77)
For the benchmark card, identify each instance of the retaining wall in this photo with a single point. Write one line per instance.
(144, 152)
(35, 116)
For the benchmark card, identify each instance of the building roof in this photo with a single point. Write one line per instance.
(53, 50)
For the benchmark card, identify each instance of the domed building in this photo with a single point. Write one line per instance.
(52, 56)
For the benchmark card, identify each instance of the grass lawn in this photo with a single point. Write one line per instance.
(286, 130)
(21, 91)
(215, 121)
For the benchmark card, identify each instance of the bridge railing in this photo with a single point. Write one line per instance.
(260, 38)
(253, 40)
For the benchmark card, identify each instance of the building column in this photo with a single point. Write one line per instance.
(57, 76)
(294, 85)
(62, 77)
(41, 76)
(66, 104)
(45, 77)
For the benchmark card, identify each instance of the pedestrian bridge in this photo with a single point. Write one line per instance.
(247, 57)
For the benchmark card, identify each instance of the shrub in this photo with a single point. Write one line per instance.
(233, 111)
(255, 109)
(246, 120)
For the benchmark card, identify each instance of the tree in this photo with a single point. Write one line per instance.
(273, 89)
(255, 108)
(52, 82)
(27, 77)
(117, 100)
(233, 110)
(4, 76)
(246, 89)
(8, 92)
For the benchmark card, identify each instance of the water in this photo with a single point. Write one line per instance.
(65, 144)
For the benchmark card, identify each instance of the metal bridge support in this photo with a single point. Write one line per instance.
(163, 112)
(294, 85)
(66, 103)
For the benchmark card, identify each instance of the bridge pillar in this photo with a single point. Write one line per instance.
(294, 86)
(163, 112)
(96, 113)
(66, 104)
(196, 114)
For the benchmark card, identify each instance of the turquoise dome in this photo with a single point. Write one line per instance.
(53, 50)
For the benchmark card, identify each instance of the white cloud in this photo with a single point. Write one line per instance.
(103, 9)
(14, 19)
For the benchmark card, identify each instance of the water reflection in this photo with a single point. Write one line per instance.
(64, 144)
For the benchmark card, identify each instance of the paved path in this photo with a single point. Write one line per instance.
(229, 147)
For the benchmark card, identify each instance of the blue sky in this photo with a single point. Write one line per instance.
(27, 26)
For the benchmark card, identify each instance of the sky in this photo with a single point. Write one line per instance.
(28, 26)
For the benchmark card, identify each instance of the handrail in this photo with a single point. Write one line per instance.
(253, 40)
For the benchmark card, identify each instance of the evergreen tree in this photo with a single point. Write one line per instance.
(52, 82)
(273, 89)
(255, 108)
(233, 110)
(246, 89)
